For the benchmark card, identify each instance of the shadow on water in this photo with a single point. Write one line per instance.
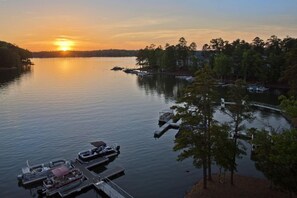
(267, 97)
(171, 88)
(161, 84)
(11, 76)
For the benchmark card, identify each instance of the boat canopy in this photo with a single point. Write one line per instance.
(98, 143)
(60, 171)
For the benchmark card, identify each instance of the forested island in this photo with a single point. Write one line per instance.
(93, 53)
(270, 62)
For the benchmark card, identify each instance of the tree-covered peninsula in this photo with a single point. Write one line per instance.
(13, 57)
(273, 61)
(208, 141)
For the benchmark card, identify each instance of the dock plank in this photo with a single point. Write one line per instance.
(90, 178)
(108, 190)
(171, 124)
(111, 172)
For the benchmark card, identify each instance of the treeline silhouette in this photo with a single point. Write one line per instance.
(13, 57)
(94, 53)
(273, 61)
(14, 62)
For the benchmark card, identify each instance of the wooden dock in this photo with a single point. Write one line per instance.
(111, 189)
(91, 179)
(266, 106)
(92, 163)
(108, 190)
(254, 104)
(165, 127)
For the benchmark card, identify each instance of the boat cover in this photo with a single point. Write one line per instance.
(60, 171)
(98, 143)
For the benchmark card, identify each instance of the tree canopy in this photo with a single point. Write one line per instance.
(172, 57)
(275, 156)
(272, 61)
(201, 137)
(12, 56)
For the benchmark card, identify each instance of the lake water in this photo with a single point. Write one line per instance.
(65, 103)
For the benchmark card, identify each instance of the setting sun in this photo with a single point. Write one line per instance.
(64, 44)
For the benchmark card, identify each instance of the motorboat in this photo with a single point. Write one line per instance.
(100, 149)
(254, 88)
(165, 116)
(261, 89)
(187, 78)
(143, 73)
(116, 68)
(39, 172)
(63, 179)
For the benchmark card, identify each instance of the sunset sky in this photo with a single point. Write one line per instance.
(132, 24)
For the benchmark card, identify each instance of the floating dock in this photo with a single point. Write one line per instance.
(165, 127)
(91, 179)
(111, 189)
(254, 104)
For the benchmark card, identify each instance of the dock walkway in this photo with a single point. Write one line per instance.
(165, 127)
(111, 189)
(254, 104)
(108, 190)
(92, 179)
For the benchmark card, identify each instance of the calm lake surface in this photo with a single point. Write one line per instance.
(65, 103)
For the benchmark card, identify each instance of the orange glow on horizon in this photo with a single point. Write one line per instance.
(64, 44)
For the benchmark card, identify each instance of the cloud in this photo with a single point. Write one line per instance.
(199, 35)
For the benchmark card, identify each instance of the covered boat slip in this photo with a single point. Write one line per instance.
(63, 178)
(90, 178)
(98, 143)
(37, 173)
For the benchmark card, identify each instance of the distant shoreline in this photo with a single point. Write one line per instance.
(85, 54)
(85, 57)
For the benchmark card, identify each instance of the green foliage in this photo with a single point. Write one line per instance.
(8, 58)
(173, 57)
(252, 65)
(222, 65)
(169, 58)
(238, 112)
(149, 57)
(267, 61)
(196, 111)
(12, 56)
(275, 156)
(201, 137)
(222, 148)
(289, 105)
(290, 73)
(218, 44)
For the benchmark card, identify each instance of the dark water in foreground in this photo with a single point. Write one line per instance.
(63, 104)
